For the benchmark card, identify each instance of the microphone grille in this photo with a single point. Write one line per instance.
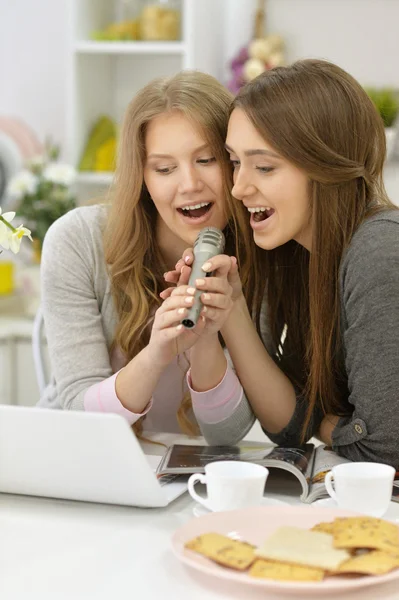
(212, 236)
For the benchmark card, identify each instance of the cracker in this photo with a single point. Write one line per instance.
(324, 527)
(367, 532)
(268, 569)
(302, 547)
(223, 550)
(370, 563)
(328, 526)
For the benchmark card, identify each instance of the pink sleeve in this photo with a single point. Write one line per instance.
(101, 397)
(220, 402)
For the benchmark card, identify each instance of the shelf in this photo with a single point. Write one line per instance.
(90, 177)
(92, 47)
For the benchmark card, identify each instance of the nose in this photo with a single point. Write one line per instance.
(242, 187)
(190, 180)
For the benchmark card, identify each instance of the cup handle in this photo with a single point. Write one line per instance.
(329, 487)
(191, 483)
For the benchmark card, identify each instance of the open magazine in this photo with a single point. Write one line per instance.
(308, 463)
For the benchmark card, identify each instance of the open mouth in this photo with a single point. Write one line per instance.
(260, 213)
(196, 211)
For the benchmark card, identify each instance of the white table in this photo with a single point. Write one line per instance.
(63, 550)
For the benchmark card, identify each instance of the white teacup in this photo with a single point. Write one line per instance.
(230, 484)
(362, 487)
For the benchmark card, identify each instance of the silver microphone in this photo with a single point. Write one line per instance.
(209, 243)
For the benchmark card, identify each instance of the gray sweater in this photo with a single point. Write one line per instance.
(369, 294)
(80, 321)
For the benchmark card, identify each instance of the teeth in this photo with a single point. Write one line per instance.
(254, 209)
(195, 206)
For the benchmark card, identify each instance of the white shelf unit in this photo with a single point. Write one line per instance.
(90, 47)
(104, 76)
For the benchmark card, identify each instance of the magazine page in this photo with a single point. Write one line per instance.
(325, 460)
(183, 458)
(298, 461)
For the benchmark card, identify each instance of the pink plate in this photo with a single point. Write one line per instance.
(254, 525)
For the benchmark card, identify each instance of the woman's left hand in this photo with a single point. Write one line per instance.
(216, 298)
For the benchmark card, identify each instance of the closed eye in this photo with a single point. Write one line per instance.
(164, 170)
(265, 169)
(206, 161)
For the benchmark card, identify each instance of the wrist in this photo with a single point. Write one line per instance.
(153, 361)
(208, 364)
(238, 313)
(205, 344)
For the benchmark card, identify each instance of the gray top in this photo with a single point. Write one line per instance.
(369, 294)
(80, 321)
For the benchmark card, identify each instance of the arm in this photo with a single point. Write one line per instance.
(208, 363)
(327, 426)
(74, 283)
(79, 348)
(260, 377)
(223, 412)
(219, 404)
(269, 391)
(370, 296)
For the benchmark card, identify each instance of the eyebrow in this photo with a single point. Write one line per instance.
(156, 155)
(255, 152)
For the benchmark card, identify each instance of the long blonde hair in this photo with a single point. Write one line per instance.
(135, 262)
(320, 119)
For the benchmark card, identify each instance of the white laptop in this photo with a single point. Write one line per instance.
(78, 456)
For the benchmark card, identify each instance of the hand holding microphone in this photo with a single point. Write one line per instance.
(177, 325)
(209, 243)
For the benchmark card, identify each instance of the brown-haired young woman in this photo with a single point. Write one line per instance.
(114, 345)
(308, 149)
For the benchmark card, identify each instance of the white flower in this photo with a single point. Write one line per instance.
(6, 231)
(23, 183)
(10, 237)
(16, 238)
(5, 235)
(60, 174)
(8, 216)
(36, 163)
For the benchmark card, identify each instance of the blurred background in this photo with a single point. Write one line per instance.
(68, 68)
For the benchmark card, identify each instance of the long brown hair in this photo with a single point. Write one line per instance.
(135, 262)
(320, 119)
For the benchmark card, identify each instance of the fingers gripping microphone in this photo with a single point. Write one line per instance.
(209, 243)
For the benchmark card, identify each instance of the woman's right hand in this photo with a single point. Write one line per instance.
(168, 337)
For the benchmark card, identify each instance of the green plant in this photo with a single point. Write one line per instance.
(387, 103)
(41, 192)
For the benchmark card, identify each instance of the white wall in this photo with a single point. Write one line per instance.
(360, 35)
(33, 44)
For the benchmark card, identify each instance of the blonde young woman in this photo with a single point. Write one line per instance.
(114, 345)
(308, 149)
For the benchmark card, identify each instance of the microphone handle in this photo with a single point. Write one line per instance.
(200, 259)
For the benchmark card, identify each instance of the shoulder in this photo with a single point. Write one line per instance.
(89, 220)
(81, 228)
(373, 254)
(375, 240)
(75, 242)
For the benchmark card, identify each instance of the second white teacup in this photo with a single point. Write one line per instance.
(230, 484)
(362, 487)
